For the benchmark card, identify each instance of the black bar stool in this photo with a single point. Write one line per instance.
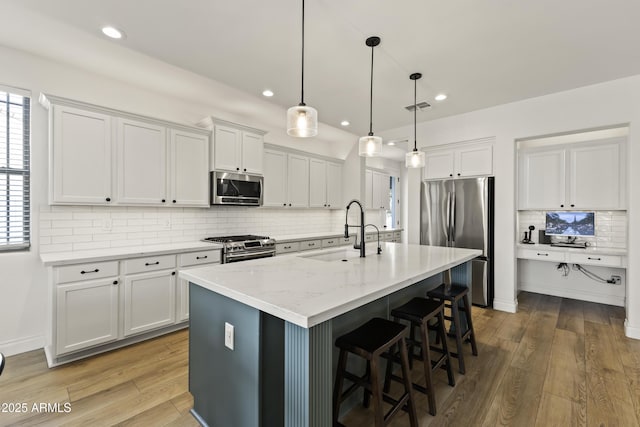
(452, 298)
(420, 312)
(370, 341)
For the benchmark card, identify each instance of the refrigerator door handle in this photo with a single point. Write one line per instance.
(448, 227)
(452, 219)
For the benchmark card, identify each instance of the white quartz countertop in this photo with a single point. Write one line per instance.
(326, 234)
(314, 286)
(588, 250)
(64, 258)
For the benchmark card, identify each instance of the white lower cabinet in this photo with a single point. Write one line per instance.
(149, 301)
(96, 305)
(86, 314)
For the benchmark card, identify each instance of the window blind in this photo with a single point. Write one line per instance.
(14, 169)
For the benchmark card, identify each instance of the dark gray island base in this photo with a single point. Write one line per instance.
(279, 373)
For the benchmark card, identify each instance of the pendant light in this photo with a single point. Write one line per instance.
(370, 145)
(302, 120)
(415, 158)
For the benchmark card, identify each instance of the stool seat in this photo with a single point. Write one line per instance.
(372, 341)
(455, 292)
(371, 336)
(417, 309)
(458, 301)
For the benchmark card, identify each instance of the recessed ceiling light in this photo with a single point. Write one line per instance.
(391, 143)
(112, 32)
(441, 97)
(268, 93)
(345, 123)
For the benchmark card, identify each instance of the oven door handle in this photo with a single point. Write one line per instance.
(261, 254)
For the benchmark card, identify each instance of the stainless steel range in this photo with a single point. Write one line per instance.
(241, 248)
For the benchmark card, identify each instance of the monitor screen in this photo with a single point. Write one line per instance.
(564, 223)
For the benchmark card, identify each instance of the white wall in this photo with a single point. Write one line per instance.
(611, 103)
(23, 279)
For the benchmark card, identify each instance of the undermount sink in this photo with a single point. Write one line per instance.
(337, 255)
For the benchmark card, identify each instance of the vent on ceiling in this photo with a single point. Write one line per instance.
(421, 106)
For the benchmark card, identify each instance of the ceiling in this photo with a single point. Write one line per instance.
(479, 53)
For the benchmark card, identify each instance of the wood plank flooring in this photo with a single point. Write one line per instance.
(557, 362)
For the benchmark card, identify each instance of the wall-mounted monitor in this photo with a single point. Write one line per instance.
(570, 223)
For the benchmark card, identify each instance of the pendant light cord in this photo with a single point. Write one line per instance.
(415, 115)
(371, 97)
(302, 80)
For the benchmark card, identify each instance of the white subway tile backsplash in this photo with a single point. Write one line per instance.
(66, 228)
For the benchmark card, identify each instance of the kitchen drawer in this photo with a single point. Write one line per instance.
(593, 259)
(346, 240)
(202, 257)
(283, 248)
(397, 236)
(388, 236)
(152, 263)
(310, 244)
(541, 255)
(328, 243)
(371, 237)
(89, 271)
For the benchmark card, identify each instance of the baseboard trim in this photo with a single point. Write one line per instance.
(506, 305)
(569, 293)
(630, 331)
(22, 345)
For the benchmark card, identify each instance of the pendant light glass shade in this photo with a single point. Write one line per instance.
(370, 145)
(415, 159)
(302, 120)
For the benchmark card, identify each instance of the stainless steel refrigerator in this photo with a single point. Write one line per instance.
(459, 213)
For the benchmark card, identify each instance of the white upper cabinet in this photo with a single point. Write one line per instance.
(541, 180)
(103, 156)
(317, 183)
(189, 168)
(368, 184)
(236, 148)
(142, 163)
(252, 153)
(589, 175)
(80, 157)
(275, 179)
(297, 181)
(459, 161)
(334, 186)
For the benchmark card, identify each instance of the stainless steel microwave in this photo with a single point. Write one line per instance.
(236, 189)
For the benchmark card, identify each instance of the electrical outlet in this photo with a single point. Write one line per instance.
(616, 279)
(228, 335)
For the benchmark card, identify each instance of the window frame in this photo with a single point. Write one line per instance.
(24, 172)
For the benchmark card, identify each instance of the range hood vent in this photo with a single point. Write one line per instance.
(421, 106)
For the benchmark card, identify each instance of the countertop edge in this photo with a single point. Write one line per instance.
(68, 258)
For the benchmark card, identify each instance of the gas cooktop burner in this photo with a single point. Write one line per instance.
(225, 239)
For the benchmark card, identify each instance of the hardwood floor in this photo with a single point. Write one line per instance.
(557, 362)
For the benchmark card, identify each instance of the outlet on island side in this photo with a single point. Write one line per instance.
(228, 335)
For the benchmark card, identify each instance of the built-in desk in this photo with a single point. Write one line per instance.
(545, 278)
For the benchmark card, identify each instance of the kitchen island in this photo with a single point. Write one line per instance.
(285, 312)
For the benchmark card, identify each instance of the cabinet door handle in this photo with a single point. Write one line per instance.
(311, 244)
(173, 201)
(330, 242)
(572, 205)
(594, 258)
(458, 173)
(539, 254)
(115, 282)
(151, 263)
(163, 200)
(287, 247)
(108, 199)
(237, 169)
(450, 174)
(173, 273)
(87, 272)
(562, 206)
(284, 204)
(202, 257)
